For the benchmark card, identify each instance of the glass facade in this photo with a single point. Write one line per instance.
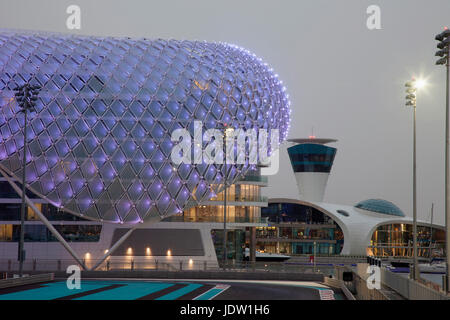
(380, 206)
(40, 233)
(235, 244)
(212, 210)
(7, 192)
(397, 240)
(308, 157)
(100, 139)
(298, 229)
(11, 212)
(241, 193)
(214, 213)
(6, 232)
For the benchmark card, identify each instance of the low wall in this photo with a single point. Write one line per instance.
(37, 278)
(336, 283)
(392, 285)
(410, 289)
(363, 292)
(359, 283)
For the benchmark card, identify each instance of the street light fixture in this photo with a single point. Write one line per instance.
(411, 90)
(444, 53)
(26, 96)
(228, 132)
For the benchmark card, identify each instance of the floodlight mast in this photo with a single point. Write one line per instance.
(26, 97)
(444, 53)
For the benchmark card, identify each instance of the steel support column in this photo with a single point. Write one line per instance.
(43, 219)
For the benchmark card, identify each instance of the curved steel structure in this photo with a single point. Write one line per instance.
(100, 141)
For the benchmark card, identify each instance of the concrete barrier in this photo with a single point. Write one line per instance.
(359, 284)
(363, 292)
(336, 283)
(38, 278)
(410, 289)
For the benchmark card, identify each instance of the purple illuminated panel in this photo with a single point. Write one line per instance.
(99, 144)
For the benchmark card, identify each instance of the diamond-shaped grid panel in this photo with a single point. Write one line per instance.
(100, 141)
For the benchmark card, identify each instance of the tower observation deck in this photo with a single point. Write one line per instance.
(311, 161)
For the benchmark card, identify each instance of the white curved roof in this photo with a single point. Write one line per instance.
(358, 226)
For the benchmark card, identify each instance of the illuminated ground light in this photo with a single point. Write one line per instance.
(148, 252)
(130, 251)
(169, 253)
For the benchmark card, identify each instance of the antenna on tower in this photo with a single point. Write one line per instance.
(312, 136)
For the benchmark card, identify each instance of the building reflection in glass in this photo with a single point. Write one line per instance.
(294, 228)
(397, 240)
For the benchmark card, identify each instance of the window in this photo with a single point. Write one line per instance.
(343, 212)
(6, 232)
(11, 212)
(40, 233)
(7, 192)
(311, 157)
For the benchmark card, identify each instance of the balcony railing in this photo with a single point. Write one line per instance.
(258, 220)
(263, 179)
(299, 240)
(240, 198)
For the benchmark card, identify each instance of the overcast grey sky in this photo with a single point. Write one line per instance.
(344, 80)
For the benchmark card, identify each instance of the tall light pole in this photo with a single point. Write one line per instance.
(26, 96)
(411, 90)
(444, 53)
(228, 131)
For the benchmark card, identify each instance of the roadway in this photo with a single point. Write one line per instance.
(187, 289)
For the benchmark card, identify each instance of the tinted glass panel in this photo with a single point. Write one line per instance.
(311, 157)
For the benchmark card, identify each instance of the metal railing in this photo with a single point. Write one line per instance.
(164, 264)
(263, 179)
(179, 218)
(235, 198)
(406, 249)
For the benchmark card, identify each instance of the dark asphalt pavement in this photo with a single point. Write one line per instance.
(262, 291)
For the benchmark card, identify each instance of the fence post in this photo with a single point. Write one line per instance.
(107, 265)
(34, 264)
(204, 265)
(181, 265)
(59, 265)
(408, 289)
(132, 264)
(156, 264)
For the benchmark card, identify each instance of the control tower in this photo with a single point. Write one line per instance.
(311, 161)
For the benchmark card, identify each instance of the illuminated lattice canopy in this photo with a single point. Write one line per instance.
(99, 142)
